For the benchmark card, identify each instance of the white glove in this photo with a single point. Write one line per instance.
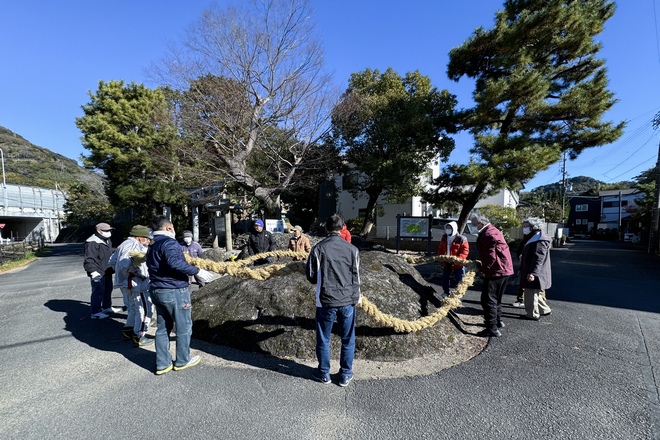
(205, 275)
(96, 277)
(133, 284)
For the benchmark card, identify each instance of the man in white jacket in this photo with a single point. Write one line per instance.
(132, 277)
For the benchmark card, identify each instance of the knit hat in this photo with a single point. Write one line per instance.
(139, 231)
(187, 234)
(259, 223)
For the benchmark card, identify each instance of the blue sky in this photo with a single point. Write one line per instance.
(53, 53)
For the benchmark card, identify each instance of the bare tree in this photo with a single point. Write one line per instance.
(254, 100)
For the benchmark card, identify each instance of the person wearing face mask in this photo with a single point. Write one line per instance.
(170, 292)
(194, 250)
(527, 234)
(98, 249)
(132, 277)
(455, 245)
(496, 266)
(535, 272)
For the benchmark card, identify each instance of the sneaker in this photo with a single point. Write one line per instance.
(164, 370)
(100, 315)
(324, 379)
(112, 310)
(490, 333)
(345, 380)
(141, 342)
(191, 363)
(529, 318)
(501, 324)
(518, 303)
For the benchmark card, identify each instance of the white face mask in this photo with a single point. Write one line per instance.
(526, 230)
(449, 231)
(187, 240)
(105, 234)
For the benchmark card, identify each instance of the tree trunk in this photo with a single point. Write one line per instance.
(469, 205)
(370, 215)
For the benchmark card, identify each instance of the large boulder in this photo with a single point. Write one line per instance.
(276, 316)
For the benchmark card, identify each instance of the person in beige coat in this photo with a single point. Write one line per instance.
(299, 242)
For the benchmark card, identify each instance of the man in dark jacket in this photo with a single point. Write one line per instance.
(496, 265)
(334, 266)
(527, 234)
(168, 275)
(98, 249)
(535, 272)
(260, 241)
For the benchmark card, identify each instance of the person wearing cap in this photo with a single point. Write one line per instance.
(132, 277)
(98, 249)
(170, 292)
(260, 241)
(299, 243)
(194, 250)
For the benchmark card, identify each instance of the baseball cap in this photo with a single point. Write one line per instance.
(104, 227)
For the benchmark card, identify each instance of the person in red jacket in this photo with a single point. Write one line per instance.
(496, 265)
(345, 233)
(456, 245)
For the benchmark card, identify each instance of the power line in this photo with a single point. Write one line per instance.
(636, 166)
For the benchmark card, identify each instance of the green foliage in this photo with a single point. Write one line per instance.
(131, 138)
(86, 207)
(390, 129)
(501, 216)
(539, 90)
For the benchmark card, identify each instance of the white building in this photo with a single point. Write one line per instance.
(351, 207)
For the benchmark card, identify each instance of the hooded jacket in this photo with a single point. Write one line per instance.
(334, 266)
(97, 254)
(494, 252)
(459, 245)
(536, 261)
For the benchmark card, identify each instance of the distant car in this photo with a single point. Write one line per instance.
(631, 236)
(438, 229)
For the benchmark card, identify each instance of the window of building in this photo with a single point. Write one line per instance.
(581, 208)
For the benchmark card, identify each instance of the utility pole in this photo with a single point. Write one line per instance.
(563, 186)
(655, 219)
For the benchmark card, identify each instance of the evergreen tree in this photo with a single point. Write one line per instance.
(130, 135)
(539, 90)
(390, 130)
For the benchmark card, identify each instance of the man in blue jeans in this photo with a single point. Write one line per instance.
(334, 266)
(169, 289)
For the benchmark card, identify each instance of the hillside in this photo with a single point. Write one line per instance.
(582, 185)
(31, 165)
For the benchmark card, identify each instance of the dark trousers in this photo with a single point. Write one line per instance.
(491, 299)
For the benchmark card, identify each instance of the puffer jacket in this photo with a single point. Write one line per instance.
(459, 246)
(261, 242)
(168, 268)
(494, 253)
(334, 266)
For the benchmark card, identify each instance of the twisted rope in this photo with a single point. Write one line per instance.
(238, 269)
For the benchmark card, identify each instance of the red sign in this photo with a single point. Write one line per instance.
(2, 225)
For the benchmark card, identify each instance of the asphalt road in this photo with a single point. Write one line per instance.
(588, 371)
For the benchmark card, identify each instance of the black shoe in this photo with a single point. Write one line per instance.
(501, 324)
(529, 318)
(127, 333)
(490, 333)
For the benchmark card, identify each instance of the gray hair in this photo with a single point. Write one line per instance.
(535, 223)
(480, 218)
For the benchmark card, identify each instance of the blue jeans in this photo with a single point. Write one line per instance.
(325, 317)
(172, 306)
(101, 294)
(446, 275)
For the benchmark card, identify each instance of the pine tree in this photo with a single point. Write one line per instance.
(539, 90)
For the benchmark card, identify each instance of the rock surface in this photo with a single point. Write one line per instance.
(276, 316)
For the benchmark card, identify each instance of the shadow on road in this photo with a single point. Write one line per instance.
(103, 334)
